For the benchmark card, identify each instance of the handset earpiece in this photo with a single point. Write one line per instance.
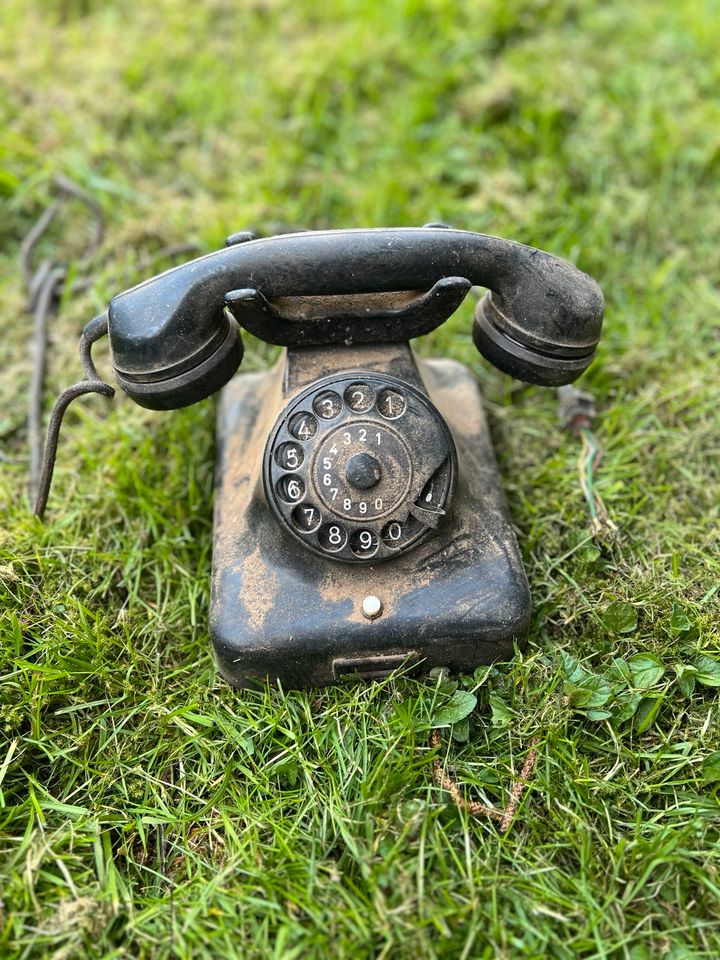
(543, 324)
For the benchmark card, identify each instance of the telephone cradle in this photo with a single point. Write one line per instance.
(360, 524)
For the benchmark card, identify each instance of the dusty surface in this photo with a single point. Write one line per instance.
(260, 588)
(458, 599)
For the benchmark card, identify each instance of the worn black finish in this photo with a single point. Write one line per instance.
(359, 467)
(458, 598)
(172, 342)
(359, 519)
(363, 471)
(348, 318)
(191, 379)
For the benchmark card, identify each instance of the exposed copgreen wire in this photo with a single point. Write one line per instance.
(577, 409)
(592, 453)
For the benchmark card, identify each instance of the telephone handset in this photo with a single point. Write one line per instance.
(173, 343)
(359, 519)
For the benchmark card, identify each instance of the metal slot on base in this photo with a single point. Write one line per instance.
(374, 668)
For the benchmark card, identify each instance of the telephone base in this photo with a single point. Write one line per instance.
(459, 599)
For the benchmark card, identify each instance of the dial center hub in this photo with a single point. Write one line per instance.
(363, 471)
(370, 452)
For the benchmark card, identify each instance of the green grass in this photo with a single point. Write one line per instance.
(148, 810)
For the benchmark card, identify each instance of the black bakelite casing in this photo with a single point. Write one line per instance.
(311, 584)
(458, 599)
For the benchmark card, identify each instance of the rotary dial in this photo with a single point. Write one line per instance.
(360, 467)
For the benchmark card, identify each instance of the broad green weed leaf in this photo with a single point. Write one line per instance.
(573, 671)
(461, 730)
(646, 669)
(461, 704)
(582, 688)
(619, 671)
(501, 716)
(679, 621)
(711, 768)
(590, 553)
(445, 684)
(686, 678)
(620, 617)
(598, 714)
(708, 670)
(592, 691)
(625, 706)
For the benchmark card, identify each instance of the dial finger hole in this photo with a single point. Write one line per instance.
(289, 456)
(332, 537)
(391, 404)
(364, 544)
(359, 397)
(291, 489)
(303, 426)
(328, 405)
(306, 518)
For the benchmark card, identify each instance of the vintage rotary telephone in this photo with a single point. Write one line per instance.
(359, 519)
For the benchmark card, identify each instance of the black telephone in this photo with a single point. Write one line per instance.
(359, 520)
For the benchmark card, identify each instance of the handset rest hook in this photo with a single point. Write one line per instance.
(349, 318)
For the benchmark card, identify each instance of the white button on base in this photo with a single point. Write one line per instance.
(372, 607)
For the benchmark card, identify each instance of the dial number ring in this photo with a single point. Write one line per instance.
(337, 492)
(359, 467)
